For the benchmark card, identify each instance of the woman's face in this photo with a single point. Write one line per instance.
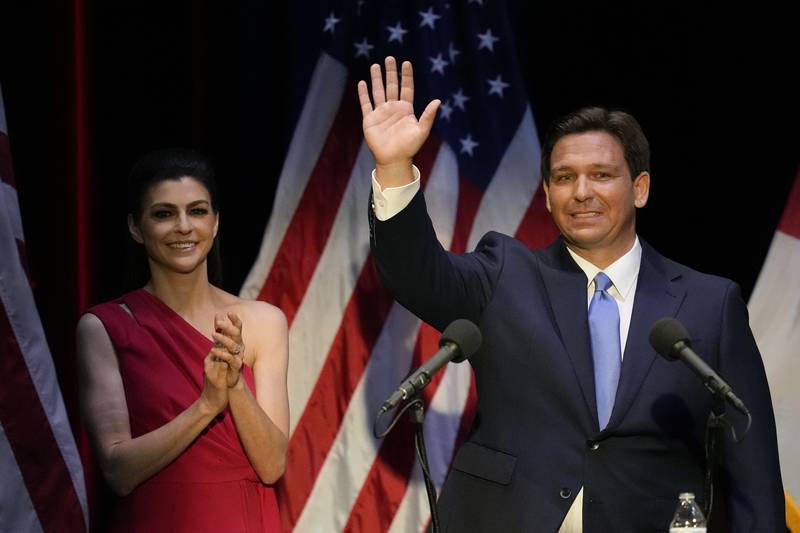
(177, 226)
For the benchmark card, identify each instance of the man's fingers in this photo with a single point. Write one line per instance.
(407, 83)
(392, 86)
(363, 99)
(402, 88)
(426, 120)
(378, 93)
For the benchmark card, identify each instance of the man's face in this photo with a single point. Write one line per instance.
(592, 197)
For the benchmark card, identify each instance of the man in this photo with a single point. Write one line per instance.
(580, 425)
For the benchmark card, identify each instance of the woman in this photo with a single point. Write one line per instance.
(183, 384)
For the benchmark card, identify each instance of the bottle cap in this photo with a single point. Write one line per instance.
(686, 496)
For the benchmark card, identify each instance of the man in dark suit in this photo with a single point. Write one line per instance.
(580, 426)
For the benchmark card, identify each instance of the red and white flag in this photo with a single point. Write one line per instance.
(350, 343)
(42, 487)
(775, 318)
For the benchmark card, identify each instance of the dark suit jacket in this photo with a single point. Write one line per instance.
(535, 440)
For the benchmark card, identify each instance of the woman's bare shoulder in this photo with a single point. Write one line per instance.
(259, 318)
(90, 326)
(264, 313)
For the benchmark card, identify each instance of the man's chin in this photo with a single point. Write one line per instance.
(586, 239)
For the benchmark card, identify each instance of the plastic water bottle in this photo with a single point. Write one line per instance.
(688, 517)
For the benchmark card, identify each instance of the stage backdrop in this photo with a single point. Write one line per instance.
(268, 90)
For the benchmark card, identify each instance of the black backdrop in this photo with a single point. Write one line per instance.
(711, 84)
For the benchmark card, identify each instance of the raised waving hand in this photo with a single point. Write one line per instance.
(392, 131)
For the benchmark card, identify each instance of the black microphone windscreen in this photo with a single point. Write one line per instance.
(665, 333)
(465, 334)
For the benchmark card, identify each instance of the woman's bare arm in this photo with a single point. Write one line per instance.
(126, 462)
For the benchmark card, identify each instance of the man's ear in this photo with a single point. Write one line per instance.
(641, 189)
(546, 196)
(134, 230)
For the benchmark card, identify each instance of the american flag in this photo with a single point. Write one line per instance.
(42, 487)
(350, 343)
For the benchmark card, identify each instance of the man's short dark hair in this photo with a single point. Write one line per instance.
(620, 124)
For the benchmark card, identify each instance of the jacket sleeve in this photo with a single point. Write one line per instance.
(749, 470)
(434, 284)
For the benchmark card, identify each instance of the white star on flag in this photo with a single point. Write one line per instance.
(453, 52)
(446, 110)
(429, 18)
(438, 64)
(487, 40)
(363, 48)
(331, 22)
(396, 32)
(467, 144)
(460, 99)
(497, 86)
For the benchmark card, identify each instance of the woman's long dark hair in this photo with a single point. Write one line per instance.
(151, 169)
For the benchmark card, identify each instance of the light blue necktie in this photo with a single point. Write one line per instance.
(604, 330)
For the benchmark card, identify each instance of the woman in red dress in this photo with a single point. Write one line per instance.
(183, 385)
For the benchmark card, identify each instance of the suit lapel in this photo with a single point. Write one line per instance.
(566, 284)
(657, 296)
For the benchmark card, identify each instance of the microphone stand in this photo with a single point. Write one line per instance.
(416, 414)
(714, 425)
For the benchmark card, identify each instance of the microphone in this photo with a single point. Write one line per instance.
(459, 341)
(670, 339)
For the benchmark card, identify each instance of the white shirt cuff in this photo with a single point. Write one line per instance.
(388, 202)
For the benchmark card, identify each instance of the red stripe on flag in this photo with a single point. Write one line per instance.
(307, 233)
(6, 168)
(790, 221)
(318, 426)
(537, 228)
(33, 442)
(387, 481)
